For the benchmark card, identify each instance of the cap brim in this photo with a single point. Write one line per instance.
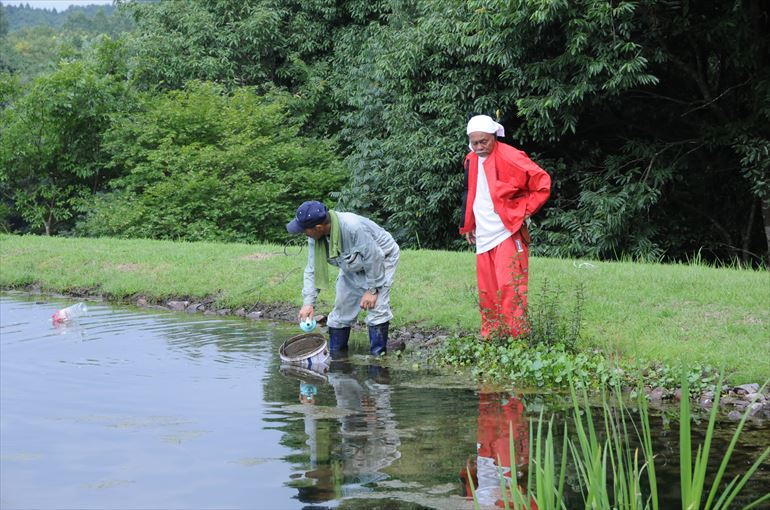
(293, 227)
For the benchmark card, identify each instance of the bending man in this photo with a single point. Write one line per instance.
(367, 256)
(503, 188)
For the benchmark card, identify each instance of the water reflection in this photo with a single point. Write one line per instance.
(349, 456)
(132, 408)
(502, 422)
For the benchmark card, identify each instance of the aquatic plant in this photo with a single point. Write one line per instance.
(613, 474)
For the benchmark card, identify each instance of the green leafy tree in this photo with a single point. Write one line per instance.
(3, 22)
(5, 52)
(651, 117)
(51, 160)
(202, 164)
(287, 43)
(25, 16)
(417, 80)
(36, 45)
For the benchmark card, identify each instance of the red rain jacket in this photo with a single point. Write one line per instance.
(518, 186)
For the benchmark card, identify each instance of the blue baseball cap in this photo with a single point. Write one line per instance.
(309, 214)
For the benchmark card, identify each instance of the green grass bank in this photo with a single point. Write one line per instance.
(687, 313)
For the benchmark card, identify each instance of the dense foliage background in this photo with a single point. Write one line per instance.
(203, 119)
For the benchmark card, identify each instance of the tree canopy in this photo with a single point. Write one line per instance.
(651, 116)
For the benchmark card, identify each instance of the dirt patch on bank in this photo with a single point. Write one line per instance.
(258, 256)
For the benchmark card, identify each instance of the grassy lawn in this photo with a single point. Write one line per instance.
(670, 313)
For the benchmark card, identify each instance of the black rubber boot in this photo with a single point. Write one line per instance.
(378, 339)
(338, 341)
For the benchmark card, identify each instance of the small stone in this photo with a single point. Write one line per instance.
(734, 415)
(194, 307)
(755, 408)
(142, 301)
(678, 394)
(177, 306)
(745, 389)
(758, 396)
(223, 311)
(254, 315)
(706, 403)
(240, 312)
(657, 394)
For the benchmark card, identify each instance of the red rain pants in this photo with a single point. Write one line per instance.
(503, 274)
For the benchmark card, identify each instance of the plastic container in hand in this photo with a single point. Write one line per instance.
(69, 313)
(307, 325)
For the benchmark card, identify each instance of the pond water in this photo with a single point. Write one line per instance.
(136, 408)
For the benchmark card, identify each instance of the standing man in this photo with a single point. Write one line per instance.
(367, 257)
(502, 189)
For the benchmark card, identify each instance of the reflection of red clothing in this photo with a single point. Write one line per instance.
(496, 421)
(501, 417)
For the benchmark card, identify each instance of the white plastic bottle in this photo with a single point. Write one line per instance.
(69, 313)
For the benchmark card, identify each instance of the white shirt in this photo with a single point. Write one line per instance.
(490, 230)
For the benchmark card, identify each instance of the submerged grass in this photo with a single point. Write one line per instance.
(686, 313)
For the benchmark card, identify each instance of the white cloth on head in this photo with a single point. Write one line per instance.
(485, 124)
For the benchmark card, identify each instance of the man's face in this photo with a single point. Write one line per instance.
(482, 143)
(316, 232)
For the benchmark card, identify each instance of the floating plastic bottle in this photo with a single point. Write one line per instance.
(69, 313)
(307, 325)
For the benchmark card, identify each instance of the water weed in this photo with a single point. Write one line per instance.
(614, 462)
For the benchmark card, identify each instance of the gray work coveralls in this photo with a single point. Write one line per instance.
(368, 259)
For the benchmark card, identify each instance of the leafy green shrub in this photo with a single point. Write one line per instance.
(540, 365)
(550, 324)
(200, 164)
(51, 158)
(553, 366)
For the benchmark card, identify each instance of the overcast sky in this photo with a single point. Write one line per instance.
(59, 5)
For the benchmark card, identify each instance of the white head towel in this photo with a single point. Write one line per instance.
(485, 124)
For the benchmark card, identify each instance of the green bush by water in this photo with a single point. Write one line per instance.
(547, 355)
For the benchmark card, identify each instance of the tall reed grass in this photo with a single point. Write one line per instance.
(613, 474)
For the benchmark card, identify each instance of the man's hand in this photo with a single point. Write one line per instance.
(305, 312)
(471, 236)
(368, 300)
